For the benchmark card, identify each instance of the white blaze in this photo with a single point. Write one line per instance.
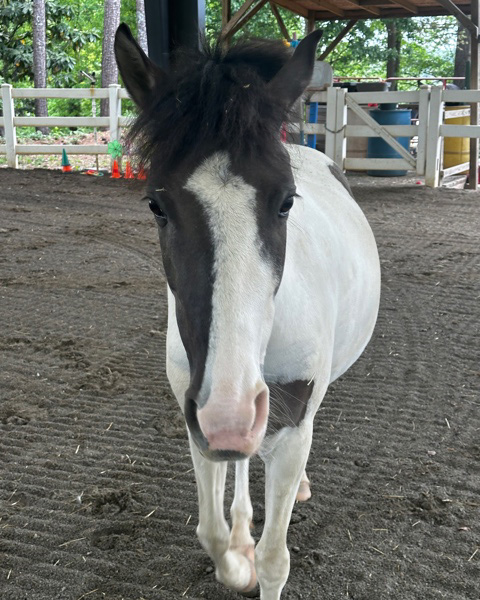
(242, 301)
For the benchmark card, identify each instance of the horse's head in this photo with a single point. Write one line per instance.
(220, 187)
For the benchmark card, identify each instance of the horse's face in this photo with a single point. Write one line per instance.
(222, 230)
(222, 226)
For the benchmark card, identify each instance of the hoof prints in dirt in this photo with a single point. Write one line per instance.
(114, 536)
(97, 494)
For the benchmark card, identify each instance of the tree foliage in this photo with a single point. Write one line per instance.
(74, 35)
(426, 44)
(65, 40)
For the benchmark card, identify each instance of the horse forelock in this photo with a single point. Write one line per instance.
(214, 99)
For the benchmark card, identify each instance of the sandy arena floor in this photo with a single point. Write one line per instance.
(97, 495)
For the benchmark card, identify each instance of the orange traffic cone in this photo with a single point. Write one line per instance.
(115, 172)
(128, 171)
(141, 174)
(66, 167)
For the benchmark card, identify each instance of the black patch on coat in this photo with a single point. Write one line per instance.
(288, 403)
(188, 259)
(339, 175)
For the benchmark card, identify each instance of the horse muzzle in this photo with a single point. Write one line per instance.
(229, 430)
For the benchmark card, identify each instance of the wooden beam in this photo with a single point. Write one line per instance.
(461, 16)
(330, 7)
(281, 23)
(226, 12)
(392, 12)
(310, 21)
(293, 7)
(474, 85)
(367, 8)
(364, 3)
(413, 8)
(236, 17)
(338, 39)
(247, 17)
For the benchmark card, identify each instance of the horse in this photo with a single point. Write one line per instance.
(273, 279)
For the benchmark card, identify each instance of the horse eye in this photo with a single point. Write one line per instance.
(160, 216)
(285, 208)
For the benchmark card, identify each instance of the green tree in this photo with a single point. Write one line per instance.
(16, 41)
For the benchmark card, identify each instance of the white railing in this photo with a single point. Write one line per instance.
(10, 122)
(430, 130)
(337, 130)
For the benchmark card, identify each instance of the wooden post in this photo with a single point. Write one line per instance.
(10, 130)
(226, 12)
(115, 104)
(340, 126)
(227, 29)
(310, 21)
(281, 24)
(331, 118)
(434, 139)
(473, 171)
(335, 139)
(423, 110)
(246, 18)
(115, 110)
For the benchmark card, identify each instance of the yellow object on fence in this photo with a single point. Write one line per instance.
(456, 151)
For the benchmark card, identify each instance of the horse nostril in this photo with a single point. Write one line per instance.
(261, 410)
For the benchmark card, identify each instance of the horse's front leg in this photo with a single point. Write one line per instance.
(233, 567)
(241, 512)
(284, 467)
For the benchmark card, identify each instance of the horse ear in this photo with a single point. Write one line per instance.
(292, 79)
(140, 75)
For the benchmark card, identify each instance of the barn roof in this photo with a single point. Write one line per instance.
(325, 10)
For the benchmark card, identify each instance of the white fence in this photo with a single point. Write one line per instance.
(430, 129)
(10, 122)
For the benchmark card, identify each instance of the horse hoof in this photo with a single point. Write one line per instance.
(304, 492)
(251, 590)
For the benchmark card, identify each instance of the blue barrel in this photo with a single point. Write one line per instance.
(378, 148)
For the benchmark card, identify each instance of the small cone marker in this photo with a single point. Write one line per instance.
(66, 167)
(141, 174)
(128, 171)
(115, 172)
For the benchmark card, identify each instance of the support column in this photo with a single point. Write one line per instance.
(156, 20)
(226, 12)
(310, 21)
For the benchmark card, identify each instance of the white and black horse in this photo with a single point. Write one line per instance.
(273, 279)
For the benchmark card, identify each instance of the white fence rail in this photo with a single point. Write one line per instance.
(12, 149)
(430, 130)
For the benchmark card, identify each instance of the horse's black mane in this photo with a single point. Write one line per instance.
(213, 96)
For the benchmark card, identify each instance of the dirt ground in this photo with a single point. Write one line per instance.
(97, 495)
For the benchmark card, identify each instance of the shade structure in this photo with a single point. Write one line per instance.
(467, 13)
(325, 10)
